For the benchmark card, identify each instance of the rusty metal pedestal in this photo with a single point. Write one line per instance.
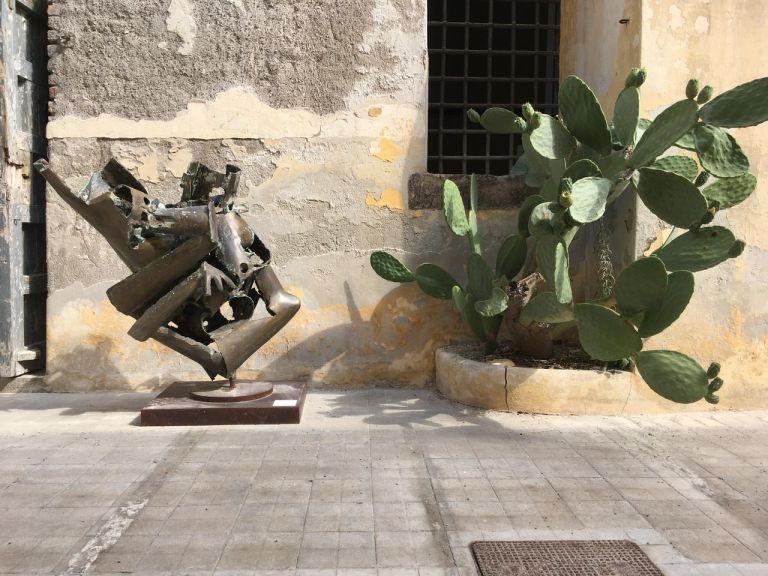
(221, 402)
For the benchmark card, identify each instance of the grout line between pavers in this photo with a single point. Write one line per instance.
(116, 524)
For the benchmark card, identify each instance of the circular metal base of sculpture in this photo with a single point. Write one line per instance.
(239, 392)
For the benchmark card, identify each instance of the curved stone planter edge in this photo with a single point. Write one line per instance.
(503, 386)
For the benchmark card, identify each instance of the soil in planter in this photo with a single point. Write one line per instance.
(565, 356)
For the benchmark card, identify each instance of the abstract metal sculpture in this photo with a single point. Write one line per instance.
(190, 262)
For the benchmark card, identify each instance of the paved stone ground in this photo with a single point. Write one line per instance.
(379, 483)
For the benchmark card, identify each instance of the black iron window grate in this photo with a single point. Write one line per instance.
(485, 53)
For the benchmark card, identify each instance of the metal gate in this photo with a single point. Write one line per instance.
(23, 279)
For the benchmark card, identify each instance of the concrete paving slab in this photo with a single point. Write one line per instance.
(378, 482)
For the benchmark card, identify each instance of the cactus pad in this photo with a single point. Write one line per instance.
(611, 165)
(685, 166)
(453, 206)
(390, 268)
(719, 153)
(502, 121)
(520, 168)
(673, 375)
(473, 192)
(640, 285)
(605, 335)
(541, 219)
(537, 164)
(552, 258)
(510, 258)
(480, 277)
(551, 139)
(642, 126)
(473, 319)
(525, 213)
(731, 191)
(663, 132)
(745, 105)
(435, 282)
(671, 306)
(545, 308)
(494, 305)
(697, 249)
(626, 114)
(583, 115)
(459, 298)
(686, 142)
(671, 197)
(582, 169)
(475, 237)
(588, 196)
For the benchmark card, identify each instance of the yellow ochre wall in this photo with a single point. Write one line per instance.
(722, 43)
(328, 127)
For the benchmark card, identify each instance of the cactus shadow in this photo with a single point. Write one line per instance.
(371, 351)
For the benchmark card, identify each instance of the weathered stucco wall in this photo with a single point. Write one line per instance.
(325, 111)
(324, 108)
(722, 44)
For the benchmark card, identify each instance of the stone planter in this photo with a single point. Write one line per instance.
(461, 376)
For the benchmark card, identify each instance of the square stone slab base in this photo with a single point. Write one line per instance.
(174, 407)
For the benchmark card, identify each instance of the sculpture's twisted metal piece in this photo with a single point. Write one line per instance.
(187, 261)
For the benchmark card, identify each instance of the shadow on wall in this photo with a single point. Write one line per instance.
(394, 346)
(391, 344)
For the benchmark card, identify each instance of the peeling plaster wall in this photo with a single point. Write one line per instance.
(722, 44)
(323, 105)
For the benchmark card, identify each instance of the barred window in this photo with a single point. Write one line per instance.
(485, 53)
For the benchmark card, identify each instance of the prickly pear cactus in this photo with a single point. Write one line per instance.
(482, 300)
(580, 163)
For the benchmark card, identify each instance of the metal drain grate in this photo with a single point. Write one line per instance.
(563, 558)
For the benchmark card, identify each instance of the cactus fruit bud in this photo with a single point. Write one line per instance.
(564, 198)
(635, 78)
(713, 370)
(715, 385)
(708, 216)
(527, 111)
(701, 179)
(737, 248)
(705, 95)
(692, 89)
(521, 124)
(535, 120)
(473, 116)
(712, 398)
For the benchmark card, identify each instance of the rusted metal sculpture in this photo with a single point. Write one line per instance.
(189, 261)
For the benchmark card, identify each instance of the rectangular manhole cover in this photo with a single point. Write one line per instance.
(563, 558)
